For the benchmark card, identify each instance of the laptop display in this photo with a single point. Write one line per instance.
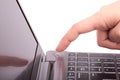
(18, 46)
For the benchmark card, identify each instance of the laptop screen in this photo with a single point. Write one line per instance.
(17, 43)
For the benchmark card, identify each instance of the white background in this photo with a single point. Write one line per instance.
(51, 19)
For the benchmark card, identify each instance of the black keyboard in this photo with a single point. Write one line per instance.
(84, 66)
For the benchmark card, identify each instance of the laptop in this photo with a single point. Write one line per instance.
(22, 58)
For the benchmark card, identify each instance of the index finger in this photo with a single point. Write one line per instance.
(89, 24)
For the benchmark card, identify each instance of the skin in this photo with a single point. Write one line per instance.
(107, 24)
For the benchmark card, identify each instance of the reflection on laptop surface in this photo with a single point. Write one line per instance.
(21, 57)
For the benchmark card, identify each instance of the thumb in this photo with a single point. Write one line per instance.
(114, 34)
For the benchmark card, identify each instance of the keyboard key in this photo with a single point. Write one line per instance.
(82, 64)
(71, 74)
(71, 68)
(118, 60)
(118, 65)
(96, 55)
(71, 59)
(109, 70)
(102, 76)
(108, 65)
(102, 55)
(82, 76)
(95, 76)
(82, 59)
(117, 55)
(82, 55)
(118, 70)
(119, 76)
(108, 60)
(82, 69)
(72, 54)
(71, 63)
(95, 60)
(96, 69)
(95, 64)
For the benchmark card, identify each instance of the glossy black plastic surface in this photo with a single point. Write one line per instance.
(17, 43)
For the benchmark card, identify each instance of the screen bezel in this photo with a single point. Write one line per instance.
(38, 52)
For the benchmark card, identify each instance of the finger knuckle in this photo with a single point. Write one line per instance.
(100, 43)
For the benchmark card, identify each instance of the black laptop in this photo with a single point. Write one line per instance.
(21, 57)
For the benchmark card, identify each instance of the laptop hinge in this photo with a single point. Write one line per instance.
(46, 72)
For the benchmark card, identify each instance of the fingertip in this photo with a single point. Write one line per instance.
(64, 43)
(60, 48)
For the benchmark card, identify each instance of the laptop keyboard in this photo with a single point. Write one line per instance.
(83, 66)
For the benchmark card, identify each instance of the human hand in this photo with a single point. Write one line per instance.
(12, 61)
(107, 24)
